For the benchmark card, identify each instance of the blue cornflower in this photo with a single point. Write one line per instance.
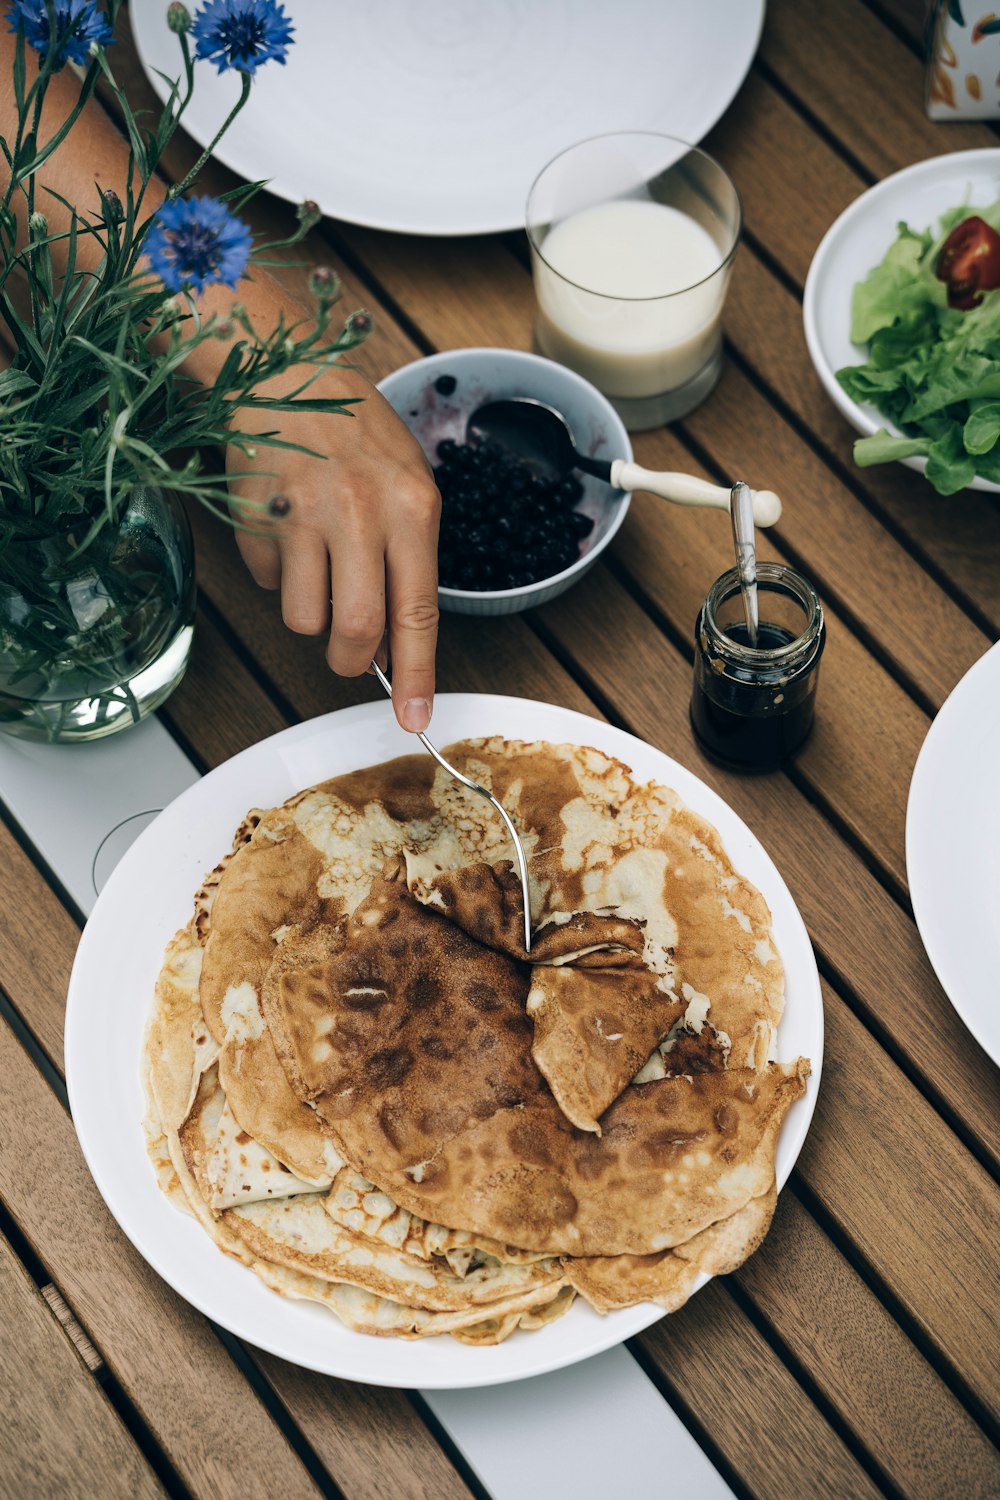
(79, 23)
(241, 34)
(194, 242)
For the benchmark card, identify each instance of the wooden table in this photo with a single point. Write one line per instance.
(857, 1353)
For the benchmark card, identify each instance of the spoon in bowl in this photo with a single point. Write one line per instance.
(538, 435)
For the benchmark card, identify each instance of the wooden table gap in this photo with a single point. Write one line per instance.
(904, 19)
(868, 1460)
(816, 124)
(931, 1352)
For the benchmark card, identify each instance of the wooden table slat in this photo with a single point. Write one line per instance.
(191, 1395)
(900, 1409)
(723, 1367)
(58, 1432)
(905, 18)
(38, 938)
(865, 84)
(368, 1436)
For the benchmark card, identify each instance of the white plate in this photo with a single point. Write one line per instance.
(150, 895)
(953, 849)
(435, 118)
(858, 240)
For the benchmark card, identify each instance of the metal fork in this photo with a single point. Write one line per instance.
(474, 786)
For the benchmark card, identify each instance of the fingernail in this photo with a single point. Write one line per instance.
(416, 714)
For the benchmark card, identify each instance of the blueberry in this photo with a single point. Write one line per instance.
(569, 491)
(501, 525)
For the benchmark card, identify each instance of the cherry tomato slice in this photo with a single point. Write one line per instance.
(969, 262)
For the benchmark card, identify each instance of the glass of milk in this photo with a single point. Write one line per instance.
(632, 242)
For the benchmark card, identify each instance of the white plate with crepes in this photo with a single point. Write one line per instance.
(953, 849)
(149, 896)
(436, 118)
(858, 240)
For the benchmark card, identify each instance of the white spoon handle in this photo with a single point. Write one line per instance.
(686, 489)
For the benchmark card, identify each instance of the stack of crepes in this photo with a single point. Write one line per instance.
(365, 1090)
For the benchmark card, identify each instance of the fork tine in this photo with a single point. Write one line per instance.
(473, 786)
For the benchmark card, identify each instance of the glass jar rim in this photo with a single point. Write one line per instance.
(771, 578)
(662, 135)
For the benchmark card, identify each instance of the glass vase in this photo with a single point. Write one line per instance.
(95, 634)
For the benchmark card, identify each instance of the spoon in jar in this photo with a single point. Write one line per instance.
(538, 435)
(741, 515)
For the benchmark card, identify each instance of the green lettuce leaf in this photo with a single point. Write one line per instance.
(982, 427)
(891, 289)
(885, 448)
(932, 371)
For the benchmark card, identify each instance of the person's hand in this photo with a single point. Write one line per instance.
(356, 552)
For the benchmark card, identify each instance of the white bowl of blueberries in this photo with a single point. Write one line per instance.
(513, 533)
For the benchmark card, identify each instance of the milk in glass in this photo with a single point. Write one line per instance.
(630, 295)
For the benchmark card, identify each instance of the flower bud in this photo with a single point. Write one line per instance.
(223, 328)
(279, 505)
(359, 325)
(324, 283)
(309, 213)
(178, 17)
(39, 226)
(111, 207)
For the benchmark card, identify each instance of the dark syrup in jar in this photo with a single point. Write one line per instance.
(745, 718)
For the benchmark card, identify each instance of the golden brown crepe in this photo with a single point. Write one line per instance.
(615, 1281)
(365, 1089)
(306, 1252)
(412, 1046)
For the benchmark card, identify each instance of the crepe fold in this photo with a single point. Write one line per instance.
(368, 1092)
(308, 1244)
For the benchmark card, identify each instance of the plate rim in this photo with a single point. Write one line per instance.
(865, 419)
(612, 1329)
(391, 224)
(920, 867)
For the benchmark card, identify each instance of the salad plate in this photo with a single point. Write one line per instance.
(953, 849)
(858, 240)
(436, 118)
(149, 896)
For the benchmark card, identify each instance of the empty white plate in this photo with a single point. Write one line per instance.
(953, 849)
(435, 117)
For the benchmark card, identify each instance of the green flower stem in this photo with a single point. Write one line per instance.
(179, 187)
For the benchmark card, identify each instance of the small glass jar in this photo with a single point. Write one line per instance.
(752, 707)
